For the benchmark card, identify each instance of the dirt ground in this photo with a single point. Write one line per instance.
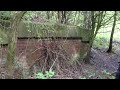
(107, 61)
(102, 65)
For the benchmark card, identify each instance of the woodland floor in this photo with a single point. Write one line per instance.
(101, 66)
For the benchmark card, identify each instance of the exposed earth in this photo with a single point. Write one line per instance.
(103, 65)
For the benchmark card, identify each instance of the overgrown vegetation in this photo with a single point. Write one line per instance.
(99, 28)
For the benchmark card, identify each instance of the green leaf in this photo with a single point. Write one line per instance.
(40, 75)
(49, 73)
(82, 78)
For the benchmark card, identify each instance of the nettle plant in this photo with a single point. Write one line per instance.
(46, 75)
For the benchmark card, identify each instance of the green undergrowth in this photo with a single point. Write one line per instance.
(100, 42)
(47, 75)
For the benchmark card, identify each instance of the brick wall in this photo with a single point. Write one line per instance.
(35, 49)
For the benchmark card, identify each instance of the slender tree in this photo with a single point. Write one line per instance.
(63, 16)
(97, 21)
(48, 15)
(12, 39)
(112, 33)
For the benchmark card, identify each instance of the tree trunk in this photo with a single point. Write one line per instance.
(90, 26)
(62, 18)
(87, 58)
(12, 40)
(112, 33)
(48, 15)
(59, 17)
(87, 20)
